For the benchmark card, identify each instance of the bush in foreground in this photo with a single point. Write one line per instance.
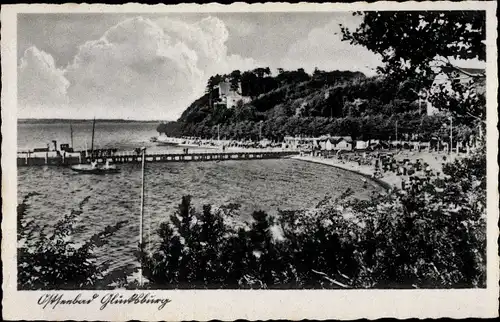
(430, 236)
(55, 261)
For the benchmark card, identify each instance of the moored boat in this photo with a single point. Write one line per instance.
(165, 140)
(189, 145)
(94, 167)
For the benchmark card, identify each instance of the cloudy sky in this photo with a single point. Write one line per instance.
(151, 66)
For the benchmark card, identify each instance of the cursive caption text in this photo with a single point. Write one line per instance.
(52, 301)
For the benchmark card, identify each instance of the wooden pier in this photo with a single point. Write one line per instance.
(131, 157)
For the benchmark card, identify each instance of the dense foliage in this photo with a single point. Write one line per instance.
(336, 103)
(55, 261)
(419, 45)
(430, 236)
(441, 36)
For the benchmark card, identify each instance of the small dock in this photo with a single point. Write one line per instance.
(50, 158)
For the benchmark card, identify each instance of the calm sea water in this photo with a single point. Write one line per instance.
(124, 136)
(257, 185)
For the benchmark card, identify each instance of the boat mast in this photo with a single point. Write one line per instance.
(92, 144)
(71, 131)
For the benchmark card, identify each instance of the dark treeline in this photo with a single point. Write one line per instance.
(296, 103)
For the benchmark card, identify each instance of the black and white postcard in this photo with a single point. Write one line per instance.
(267, 161)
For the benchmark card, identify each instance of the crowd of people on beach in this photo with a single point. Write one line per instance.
(414, 173)
(361, 158)
(413, 169)
(405, 167)
(212, 143)
(251, 144)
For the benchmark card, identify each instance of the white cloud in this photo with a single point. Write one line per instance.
(323, 48)
(208, 39)
(240, 27)
(41, 85)
(135, 69)
(139, 68)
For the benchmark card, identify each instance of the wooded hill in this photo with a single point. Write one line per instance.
(297, 103)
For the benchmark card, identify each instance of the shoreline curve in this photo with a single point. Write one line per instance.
(367, 175)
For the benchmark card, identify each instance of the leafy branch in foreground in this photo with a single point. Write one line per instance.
(422, 46)
(55, 260)
(411, 43)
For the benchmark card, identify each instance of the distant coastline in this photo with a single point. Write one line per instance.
(76, 121)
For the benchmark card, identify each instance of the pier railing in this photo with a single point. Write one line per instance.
(28, 159)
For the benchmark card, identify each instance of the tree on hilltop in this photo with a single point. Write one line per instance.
(262, 72)
(235, 79)
(213, 81)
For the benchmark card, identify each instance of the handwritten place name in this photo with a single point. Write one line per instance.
(106, 300)
(142, 298)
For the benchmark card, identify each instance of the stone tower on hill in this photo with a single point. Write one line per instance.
(229, 96)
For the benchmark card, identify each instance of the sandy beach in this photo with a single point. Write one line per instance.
(363, 170)
(388, 179)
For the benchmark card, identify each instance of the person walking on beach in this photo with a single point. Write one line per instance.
(427, 169)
